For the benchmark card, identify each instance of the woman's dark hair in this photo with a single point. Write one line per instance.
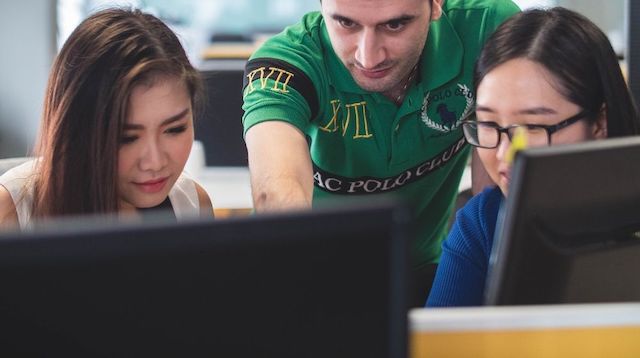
(576, 52)
(85, 106)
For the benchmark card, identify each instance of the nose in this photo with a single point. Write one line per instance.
(503, 147)
(371, 51)
(153, 157)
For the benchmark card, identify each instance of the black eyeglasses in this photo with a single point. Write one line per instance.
(488, 134)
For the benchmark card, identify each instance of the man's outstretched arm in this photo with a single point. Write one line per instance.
(280, 167)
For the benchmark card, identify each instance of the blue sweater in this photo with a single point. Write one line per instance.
(462, 271)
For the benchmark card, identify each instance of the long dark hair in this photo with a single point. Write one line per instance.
(576, 52)
(85, 106)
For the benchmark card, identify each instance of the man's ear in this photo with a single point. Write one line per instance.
(436, 9)
(600, 126)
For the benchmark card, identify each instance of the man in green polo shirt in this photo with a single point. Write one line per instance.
(366, 98)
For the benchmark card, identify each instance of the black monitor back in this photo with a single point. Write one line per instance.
(219, 123)
(311, 284)
(570, 228)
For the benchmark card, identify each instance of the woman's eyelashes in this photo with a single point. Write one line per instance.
(175, 130)
(127, 139)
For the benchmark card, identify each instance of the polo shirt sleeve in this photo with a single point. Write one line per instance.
(478, 19)
(498, 12)
(282, 79)
(502, 10)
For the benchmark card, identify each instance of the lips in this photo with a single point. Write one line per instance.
(375, 73)
(152, 186)
(505, 177)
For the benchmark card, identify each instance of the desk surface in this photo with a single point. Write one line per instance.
(229, 50)
(230, 187)
(586, 330)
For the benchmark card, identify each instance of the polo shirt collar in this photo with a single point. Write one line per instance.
(442, 55)
(441, 58)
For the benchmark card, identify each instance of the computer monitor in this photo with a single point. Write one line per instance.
(570, 229)
(326, 283)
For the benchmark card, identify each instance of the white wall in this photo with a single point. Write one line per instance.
(27, 39)
(608, 15)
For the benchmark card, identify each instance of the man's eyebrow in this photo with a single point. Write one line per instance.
(401, 18)
(174, 118)
(342, 18)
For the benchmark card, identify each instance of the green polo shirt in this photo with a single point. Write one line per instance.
(360, 142)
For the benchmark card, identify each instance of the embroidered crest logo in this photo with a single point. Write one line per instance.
(446, 104)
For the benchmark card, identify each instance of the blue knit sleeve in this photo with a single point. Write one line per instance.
(462, 271)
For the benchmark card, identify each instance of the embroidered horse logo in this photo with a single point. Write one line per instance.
(448, 117)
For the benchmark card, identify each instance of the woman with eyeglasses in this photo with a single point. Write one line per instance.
(553, 74)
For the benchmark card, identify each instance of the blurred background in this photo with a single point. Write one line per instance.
(218, 35)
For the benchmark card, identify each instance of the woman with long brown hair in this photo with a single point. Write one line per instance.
(117, 126)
